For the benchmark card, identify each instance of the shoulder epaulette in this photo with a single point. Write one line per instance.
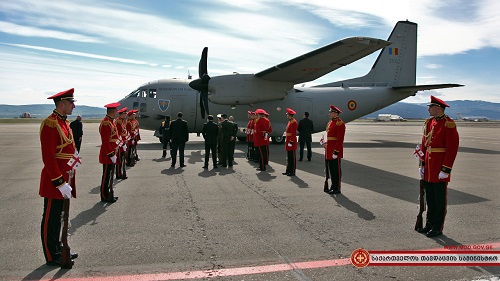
(449, 123)
(50, 122)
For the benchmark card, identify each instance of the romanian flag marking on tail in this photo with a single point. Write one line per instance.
(393, 51)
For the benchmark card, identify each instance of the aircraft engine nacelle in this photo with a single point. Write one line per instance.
(238, 89)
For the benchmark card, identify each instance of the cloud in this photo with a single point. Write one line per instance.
(80, 54)
(433, 66)
(131, 43)
(29, 31)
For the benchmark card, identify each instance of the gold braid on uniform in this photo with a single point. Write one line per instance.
(428, 136)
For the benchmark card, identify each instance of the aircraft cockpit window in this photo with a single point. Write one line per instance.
(152, 93)
(134, 94)
(144, 94)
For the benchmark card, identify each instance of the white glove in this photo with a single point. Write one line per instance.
(133, 141)
(421, 172)
(65, 190)
(334, 156)
(290, 144)
(113, 159)
(443, 176)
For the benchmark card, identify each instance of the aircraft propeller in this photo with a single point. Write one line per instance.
(201, 84)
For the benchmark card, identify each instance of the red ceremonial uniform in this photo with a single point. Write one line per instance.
(58, 147)
(269, 130)
(109, 136)
(440, 145)
(249, 131)
(129, 126)
(121, 128)
(135, 129)
(335, 131)
(260, 127)
(291, 135)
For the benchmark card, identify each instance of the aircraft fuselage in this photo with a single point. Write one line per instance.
(160, 98)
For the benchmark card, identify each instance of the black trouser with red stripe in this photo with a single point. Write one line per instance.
(262, 154)
(121, 172)
(106, 181)
(333, 170)
(291, 159)
(51, 228)
(436, 197)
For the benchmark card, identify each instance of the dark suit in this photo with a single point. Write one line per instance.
(210, 133)
(77, 128)
(228, 135)
(305, 129)
(179, 135)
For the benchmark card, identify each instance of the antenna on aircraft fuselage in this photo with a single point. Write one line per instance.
(189, 75)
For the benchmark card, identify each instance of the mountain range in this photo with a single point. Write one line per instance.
(405, 110)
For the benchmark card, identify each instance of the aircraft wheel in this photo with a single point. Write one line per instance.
(278, 140)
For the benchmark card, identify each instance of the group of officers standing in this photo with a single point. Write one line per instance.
(119, 137)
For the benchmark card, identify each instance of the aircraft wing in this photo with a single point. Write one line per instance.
(417, 88)
(317, 63)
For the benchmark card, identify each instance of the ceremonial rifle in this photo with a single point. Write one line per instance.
(66, 261)
(111, 192)
(421, 206)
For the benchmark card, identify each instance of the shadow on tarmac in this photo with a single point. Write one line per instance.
(373, 179)
(42, 270)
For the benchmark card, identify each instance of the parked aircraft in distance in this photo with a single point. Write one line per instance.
(392, 78)
(472, 118)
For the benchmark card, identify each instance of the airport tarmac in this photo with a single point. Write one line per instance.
(241, 224)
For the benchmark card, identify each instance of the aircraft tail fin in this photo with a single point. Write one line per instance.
(396, 65)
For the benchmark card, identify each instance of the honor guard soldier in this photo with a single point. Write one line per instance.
(261, 136)
(131, 140)
(268, 135)
(107, 155)
(249, 135)
(137, 134)
(439, 146)
(291, 143)
(334, 150)
(121, 127)
(57, 181)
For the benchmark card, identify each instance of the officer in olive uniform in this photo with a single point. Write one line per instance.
(227, 136)
(58, 147)
(440, 146)
(305, 129)
(165, 135)
(210, 133)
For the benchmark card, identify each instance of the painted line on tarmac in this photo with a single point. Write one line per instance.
(241, 270)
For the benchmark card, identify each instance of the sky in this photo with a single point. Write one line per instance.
(107, 49)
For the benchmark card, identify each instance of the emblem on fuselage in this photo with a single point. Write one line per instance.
(163, 105)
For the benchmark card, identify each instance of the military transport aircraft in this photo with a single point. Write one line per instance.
(391, 79)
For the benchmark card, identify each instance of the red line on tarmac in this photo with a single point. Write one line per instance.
(235, 271)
